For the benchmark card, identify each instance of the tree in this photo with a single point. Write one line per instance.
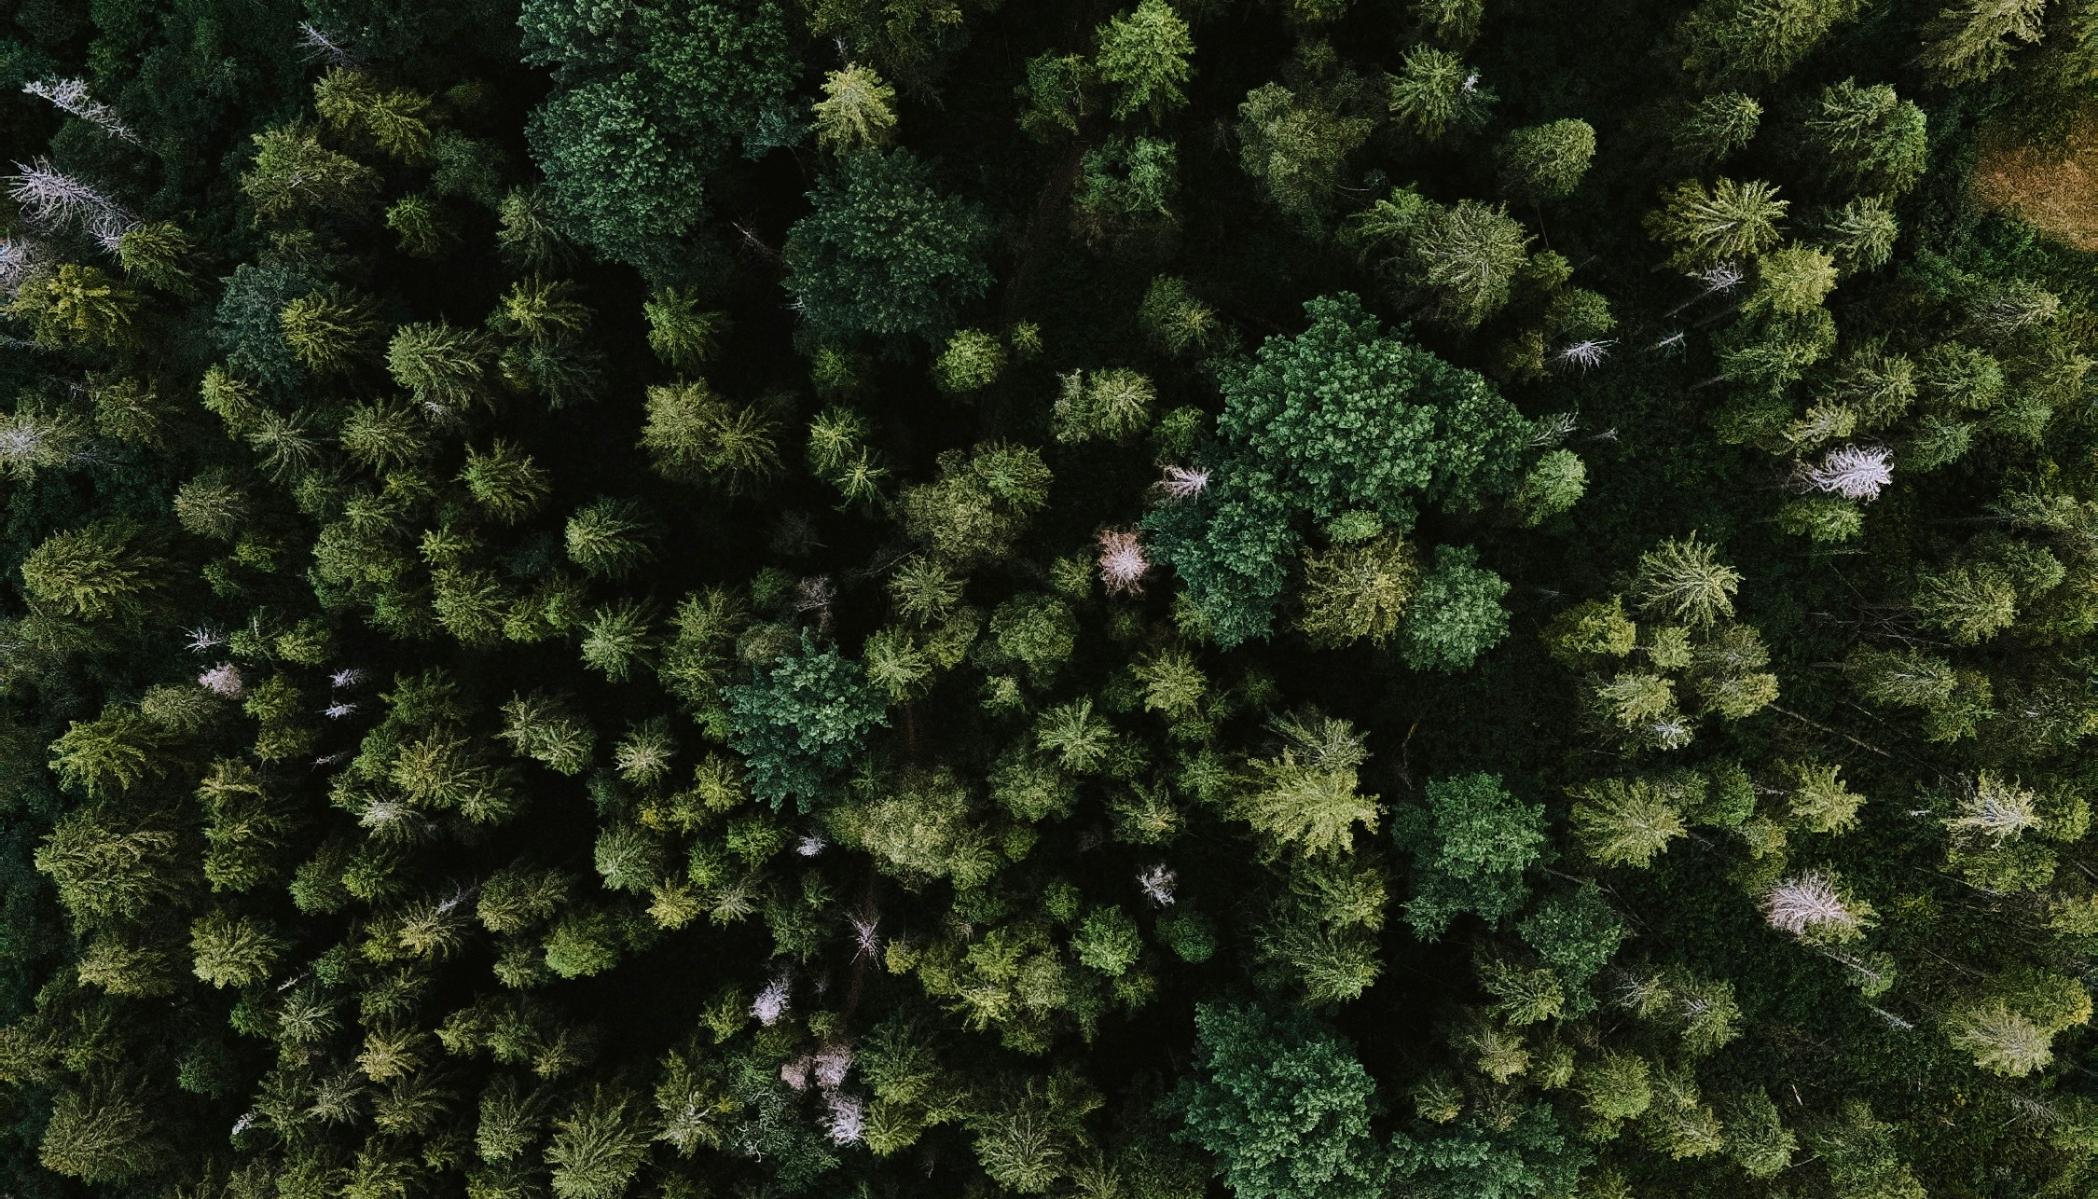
(1457, 614)
(610, 537)
(1110, 405)
(1342, 417)
(647, 105)
(1546, 162)
(76, 305)
(295, 175)
(1306, 799)
(1358, 589)
(1716, 126)
(233, 951)
(1625, 822)
(884, 253)
(598, 1146)
(1464, 258)
(1729, 40)
(1283, 1104)
(1524, 1157)
(1143, 57)
(108, 869)
(102, 1134)
(1297, 147)
(693, 435)
(505, 481)
(1434, 93)
(328, 330)
(857, 109)
(1870, 137)
(1576, 932)
(978, 505)
(1126, 193)
(1684, 580)
(1471, 842)
(1729, 221)
(108, 570)
(443, 367)
(1973, 39)
(800, 722)
(1553, 485)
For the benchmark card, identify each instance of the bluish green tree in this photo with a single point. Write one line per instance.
(1471, 842)
(801, 721)
(885, 253)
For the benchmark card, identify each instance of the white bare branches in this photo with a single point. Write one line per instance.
(70, 96)
(1583, 355)
(1996, 810)
(1183, 482)
(52, 200)
(223, 680)
(348, 676)
(1157, 884)
(844, 1117)
(319, 45)
(1122, 562)
(866, 940)
(1810, 905)
(773, 1002)
(1855, 472)
(19, 259)
(1550, 431)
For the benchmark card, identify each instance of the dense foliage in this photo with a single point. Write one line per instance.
(1302, 599)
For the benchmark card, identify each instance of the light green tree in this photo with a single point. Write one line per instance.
(1143, 56)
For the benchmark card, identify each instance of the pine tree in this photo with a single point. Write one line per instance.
(1727, 221)
(108, 570)
(857, 109)
(1716, 126)
(1546, 162)
(1434, 93)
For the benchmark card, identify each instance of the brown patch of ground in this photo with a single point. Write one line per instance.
(2053, 187)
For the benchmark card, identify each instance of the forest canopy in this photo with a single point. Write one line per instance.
(841, 599)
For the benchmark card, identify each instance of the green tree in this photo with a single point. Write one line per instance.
(1307, 800)
(800, 722)
(610, 537)
(1434, 93)
(1143, 57)
(597, 1146)
(1283, 1104)
(295, 175)
(1973, 39)
(1358, 589)
(108, 570)
(857, 109)
(1716, 126)
(102, 1134)
(1728, 221)
(1471, 842)
(693, 435)
(1684, 580)
(1298, 147)
(233, 951)
(1724, 41)
(1546, 162)
(1343, 417)
(1457, 615)
(647, 104)
(1870, 137)
(884, 253)
(978, 505)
